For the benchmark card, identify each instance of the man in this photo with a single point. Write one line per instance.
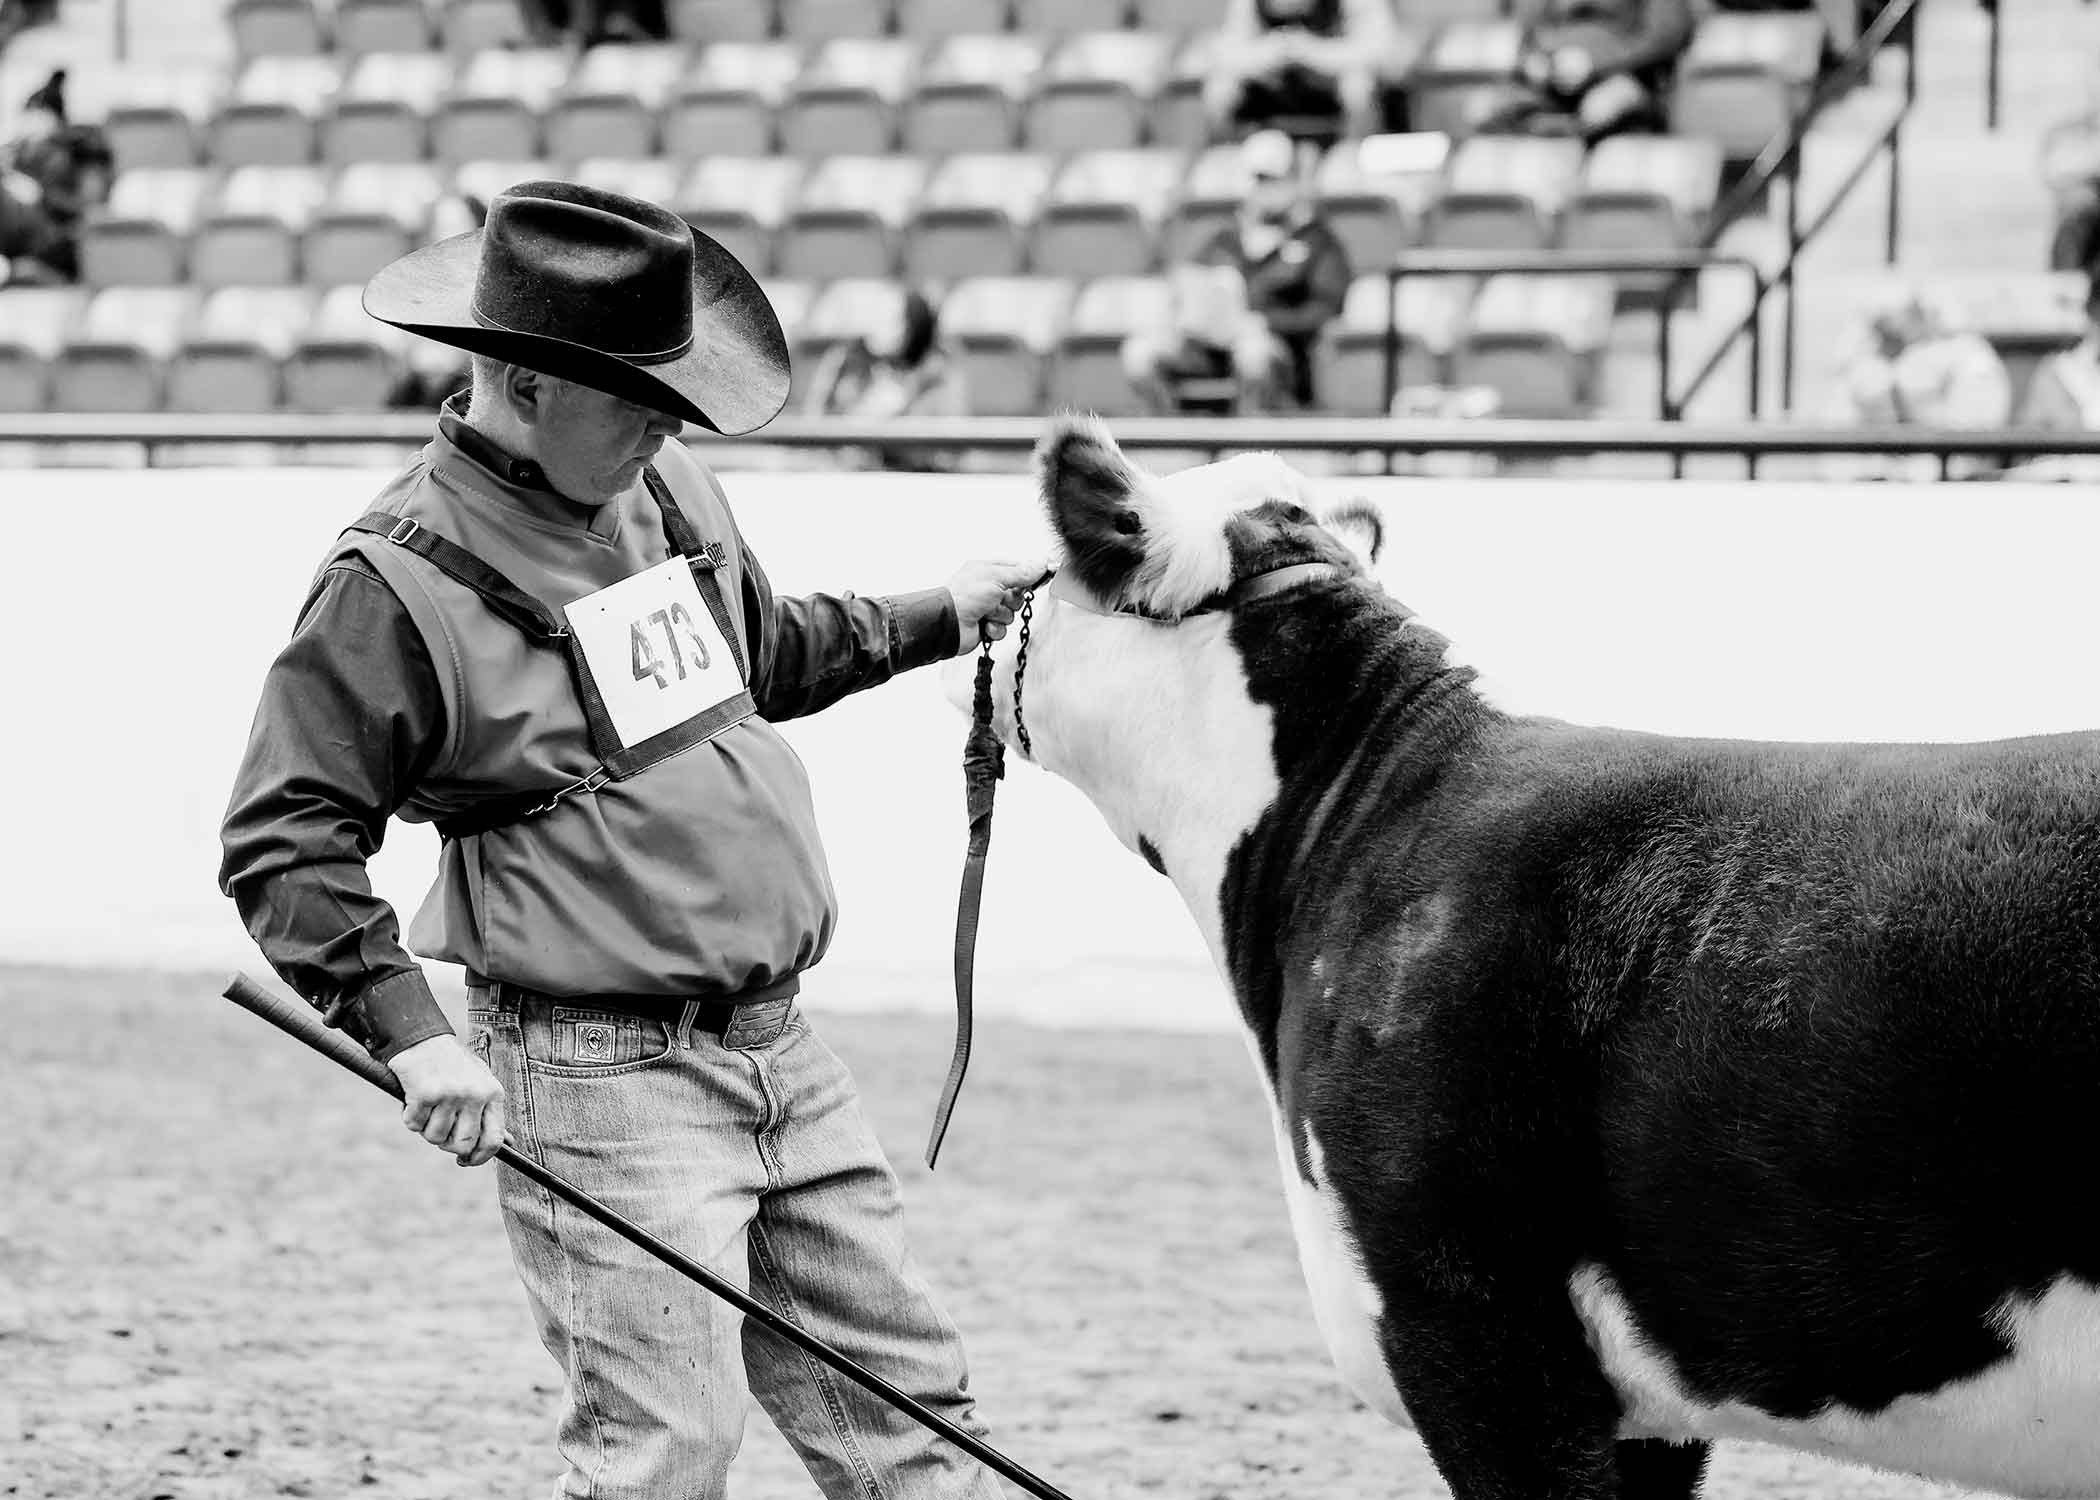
(1593, 68)
(549, 639)
(1305, 62)
(1251, 304)
(51, 174)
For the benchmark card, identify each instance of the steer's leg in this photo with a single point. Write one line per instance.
(1502, 1386)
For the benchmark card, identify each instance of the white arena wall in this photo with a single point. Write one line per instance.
(141, 607)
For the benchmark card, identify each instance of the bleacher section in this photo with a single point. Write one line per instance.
(1038, 162)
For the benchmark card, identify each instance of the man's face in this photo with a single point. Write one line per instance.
(592, 446)
(1271, 195)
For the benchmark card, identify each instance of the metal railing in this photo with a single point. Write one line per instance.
(1679, 265)
(1782, 160)
(153, 432)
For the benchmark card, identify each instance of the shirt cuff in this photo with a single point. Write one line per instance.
(923, 628)
(393, 1015)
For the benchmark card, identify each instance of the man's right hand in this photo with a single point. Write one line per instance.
(451, 1099)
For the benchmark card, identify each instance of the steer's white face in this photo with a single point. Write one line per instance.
(1151, 718)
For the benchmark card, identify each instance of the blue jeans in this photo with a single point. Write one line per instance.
(749, 1152)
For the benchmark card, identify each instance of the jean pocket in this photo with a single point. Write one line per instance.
(583, 1042)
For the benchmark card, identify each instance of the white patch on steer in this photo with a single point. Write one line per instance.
(1346, 1305)
(1188, 556)
(2028, 1426)
(1177, 752)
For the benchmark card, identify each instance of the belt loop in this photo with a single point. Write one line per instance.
(686, 1017)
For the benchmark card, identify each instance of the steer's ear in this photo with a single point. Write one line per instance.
(1091, 492)
(1357, 524)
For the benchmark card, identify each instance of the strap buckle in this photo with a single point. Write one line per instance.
(590, 783)
(403, 529)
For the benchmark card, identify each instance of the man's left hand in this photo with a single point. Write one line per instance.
(987, 595)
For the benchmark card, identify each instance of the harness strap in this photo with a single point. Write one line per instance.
(544, 628)
(501, 595)
(984, 763)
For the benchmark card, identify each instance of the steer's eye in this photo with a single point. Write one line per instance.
(1128, 523)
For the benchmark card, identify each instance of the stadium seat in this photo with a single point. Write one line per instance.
(847, 98)
(276, 28)
(1178, 118)
(791, 300)
(1004, 330)
(116, 357)
(1068, 17)
(1087, 373)
(1098, 92)
(741, 202)
(153, 114)
(1104, 213)
(712, 21)
(727, 103)
(270, 118)
(975, 217)
(810, 21)
(1176, 17)
(493, 107)
(383, 112)
(1349, 359)
(466, 27)
(229, 360)
(1537, 341)
(609, 106)
(34, 324)
(850, 308)
(250, 231)
(1375, 215)
(1503, 192)
(374, 213)
(934, 20)
(401, 26)
(141, 236)
(653, 179)
(969, 94)
(485, 179)
(1643, 192)
(1464, 71)
(1745, 77)
(1208, 200)
(344, 360)
(849, 216)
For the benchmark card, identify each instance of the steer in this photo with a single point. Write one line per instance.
(1631, 1092)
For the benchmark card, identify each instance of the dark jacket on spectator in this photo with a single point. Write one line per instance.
(1621, 36)
(1297, 285)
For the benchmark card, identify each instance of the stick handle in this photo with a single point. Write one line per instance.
(297, 1019)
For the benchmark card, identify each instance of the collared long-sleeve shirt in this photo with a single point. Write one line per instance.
(352, 719)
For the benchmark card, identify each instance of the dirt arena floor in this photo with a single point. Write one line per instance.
(226, 1271)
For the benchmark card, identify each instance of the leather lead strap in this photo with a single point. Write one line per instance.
(984, 763)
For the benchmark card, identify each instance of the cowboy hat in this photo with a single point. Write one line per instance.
(605, 290)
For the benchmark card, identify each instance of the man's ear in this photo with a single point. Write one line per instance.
(525, 392)
(1356, 523)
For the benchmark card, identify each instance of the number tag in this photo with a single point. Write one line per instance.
(654, 650)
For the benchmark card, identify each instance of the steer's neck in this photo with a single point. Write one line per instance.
(1368, 716)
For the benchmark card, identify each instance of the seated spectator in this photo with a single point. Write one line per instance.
(51, 174)
(585, 23)
(2071, 172)
(1323, 64)
(1593, 68)
(1908, 365)
(1284, 276)
(432, 372)
(904, 371)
